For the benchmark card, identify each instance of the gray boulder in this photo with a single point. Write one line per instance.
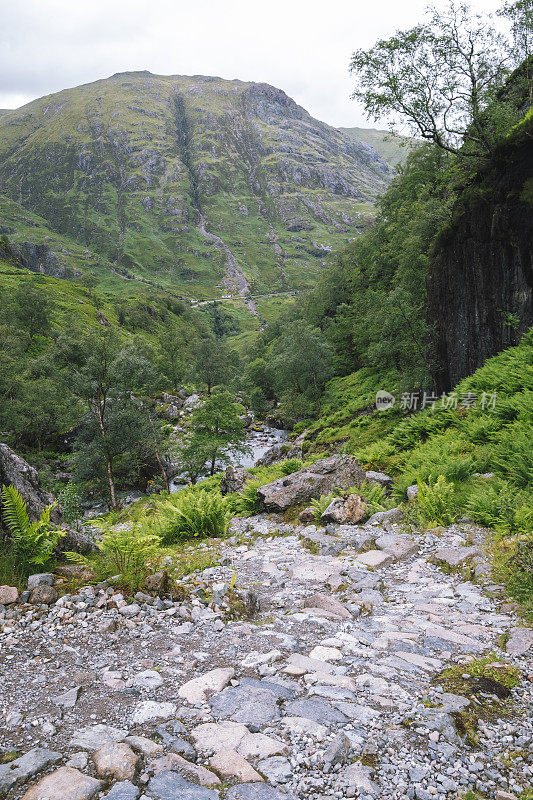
(14, 471)
(322, 477)
(234, 480)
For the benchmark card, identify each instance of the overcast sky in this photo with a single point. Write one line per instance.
(301, 46)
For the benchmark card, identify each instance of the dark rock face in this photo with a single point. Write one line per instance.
(14, 471)
(482, 267)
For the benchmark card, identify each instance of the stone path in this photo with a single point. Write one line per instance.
(330, 692)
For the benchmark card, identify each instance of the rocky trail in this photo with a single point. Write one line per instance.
(330, 690)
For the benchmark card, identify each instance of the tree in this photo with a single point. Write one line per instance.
(520, 17)
(116, 434)
(172, 346)
(439, 77)
(216, 432)
(212, 361)
(32, 310)
(303, 361)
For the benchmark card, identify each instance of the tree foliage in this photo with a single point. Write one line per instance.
(440, 78)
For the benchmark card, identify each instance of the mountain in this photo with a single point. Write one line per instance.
(198, 184)
(393, 149)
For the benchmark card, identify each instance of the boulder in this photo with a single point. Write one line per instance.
(412, 492)
(323, 476)
(15, 471)
(234, 480)
(40, 579)
(8, 594)
(380, 478)
(307, 515)
(43, 595)
(65, 783)
(346, 510)
(116, 760)
(520, 641)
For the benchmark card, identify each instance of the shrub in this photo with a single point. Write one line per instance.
(193, 513)
(32, 544)
(436, 502)
(513, 457)
(498, 505)
(320, 504)
(131, 552)
(248, 502)
(290, 465)
(375, 496)
(70, 499)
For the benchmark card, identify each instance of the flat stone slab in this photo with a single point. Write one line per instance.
(125, 790)
(191, 772)
(327, 603)
(375, 559)
(317, 570)
(258, 791)
(149, 710)
(357, 776)
(65, 783)
(25, 767)
(171, 786)
(230, 764)
(247, 704)
(257, 745)
(93, 737)
(316, 710)
(218, 735)
(298, 664)
(277, 689)
(398, 546)
(306, 726)
(197, 689)
(520, 641)
(455, 557)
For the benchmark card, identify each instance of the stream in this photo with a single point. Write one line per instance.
(258, 440)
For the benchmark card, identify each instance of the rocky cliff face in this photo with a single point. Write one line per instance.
(480, 287)
(194, 182)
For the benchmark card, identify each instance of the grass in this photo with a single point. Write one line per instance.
(487, 683)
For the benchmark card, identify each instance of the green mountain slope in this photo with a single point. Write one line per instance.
(392, 149)
(203, 185)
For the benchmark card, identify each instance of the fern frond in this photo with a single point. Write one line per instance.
(15, 512)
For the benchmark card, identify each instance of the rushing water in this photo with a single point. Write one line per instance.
(258, 441)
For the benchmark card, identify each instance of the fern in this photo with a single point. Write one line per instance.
(320, 504)
(32, 543)
(193, 514)
(132, 553)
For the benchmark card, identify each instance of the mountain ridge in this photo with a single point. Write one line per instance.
(208, 185)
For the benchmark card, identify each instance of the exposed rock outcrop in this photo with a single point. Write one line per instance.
(15, 471)
(480, 285)
(299, 487)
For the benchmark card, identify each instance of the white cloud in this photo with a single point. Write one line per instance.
(301, 46)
